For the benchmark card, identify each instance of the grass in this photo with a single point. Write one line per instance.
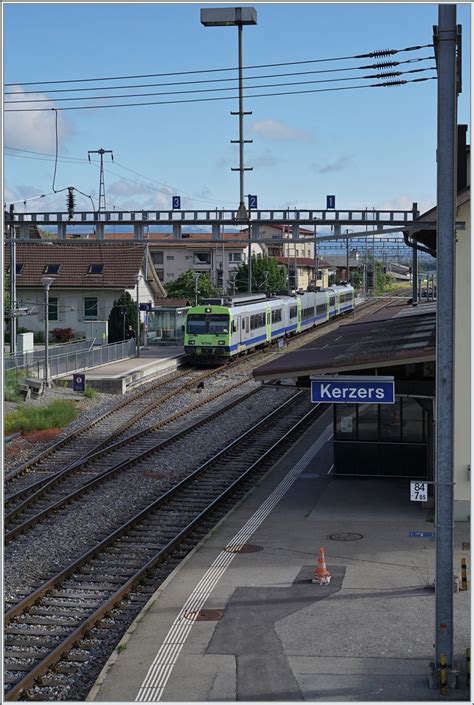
(11, 384)
(90, 392)
(56, 415)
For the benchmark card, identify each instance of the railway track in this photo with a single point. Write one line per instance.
(53, 625)
(26, 508)
(105, 429)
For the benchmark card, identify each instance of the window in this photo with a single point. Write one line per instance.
(202, 258)
(390, 427)
(95, 269)
(320, 309)
(235, 257)
(257, 321)
(18, 269)
(276, 315)
(91, 306)
(308, 313)
(51, 269)
(53, 308)
(160, 274)
(157, 257)
(368, 422)
(293, 311)
(346, 428)
(169, 257)
(213, 324)
(412, 421)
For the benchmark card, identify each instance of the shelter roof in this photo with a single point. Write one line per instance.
(396, 335)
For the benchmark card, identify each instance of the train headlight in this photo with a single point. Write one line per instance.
(221, 342)
(191, 342)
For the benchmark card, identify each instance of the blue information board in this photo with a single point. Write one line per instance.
(330, 201)
(421, 534)
(176, 202)
(252, 201)
(79, 382)
(352, 390)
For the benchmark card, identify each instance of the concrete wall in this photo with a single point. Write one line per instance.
(462, 368)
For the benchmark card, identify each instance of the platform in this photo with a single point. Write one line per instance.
(250, 625)
(117, 377)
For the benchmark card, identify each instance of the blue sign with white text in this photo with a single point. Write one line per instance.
(346, 390)
(421, 534)
(177, 202)
(330, 201)
(252, 201)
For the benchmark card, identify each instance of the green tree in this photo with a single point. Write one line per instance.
(184, 287)
(267, 276)
(122, 315)
(6, 292)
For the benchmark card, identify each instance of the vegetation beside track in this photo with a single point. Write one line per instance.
(56, 415)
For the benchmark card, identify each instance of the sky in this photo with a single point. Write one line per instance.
(370, 147)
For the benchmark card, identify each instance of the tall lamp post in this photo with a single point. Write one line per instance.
(236, 17)
(46, 282)
(137, 279)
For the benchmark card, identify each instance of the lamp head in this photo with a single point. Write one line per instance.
(47, 281)
(228, 16)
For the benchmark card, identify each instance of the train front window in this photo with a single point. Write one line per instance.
(218, 324)
(211, 324)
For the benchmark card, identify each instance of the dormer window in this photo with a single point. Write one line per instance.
(95, 269)
(51, 269)
(19, 268)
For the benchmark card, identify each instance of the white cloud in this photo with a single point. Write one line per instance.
(336, 165)
(279, 132)
(264, 160)
(34, 130)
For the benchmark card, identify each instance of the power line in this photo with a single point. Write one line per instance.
(383, 75)
(202, 100)
(381, 65)
(370, 55)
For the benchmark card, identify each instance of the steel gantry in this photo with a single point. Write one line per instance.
(382, 221)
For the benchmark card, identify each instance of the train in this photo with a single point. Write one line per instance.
(220, 329)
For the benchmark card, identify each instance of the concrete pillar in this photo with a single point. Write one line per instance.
(138, 229)
(99, 231)
(62, 231)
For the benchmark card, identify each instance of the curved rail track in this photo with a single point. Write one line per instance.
(53, 622)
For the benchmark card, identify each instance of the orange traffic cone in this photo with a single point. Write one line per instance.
(322, 576)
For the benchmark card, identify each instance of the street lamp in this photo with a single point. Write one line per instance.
(235, 17)
(137, 279)
(46, 282)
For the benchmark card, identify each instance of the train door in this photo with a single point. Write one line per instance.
(298, 320)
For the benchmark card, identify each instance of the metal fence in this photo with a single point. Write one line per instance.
(79, 360)
(29, 359)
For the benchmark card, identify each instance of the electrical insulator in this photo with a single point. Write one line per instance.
(70, 202)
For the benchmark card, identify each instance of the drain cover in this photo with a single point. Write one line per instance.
(244, 548)
(204, 615)
(345, 537)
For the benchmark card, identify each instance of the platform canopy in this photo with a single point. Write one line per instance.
(393, 337)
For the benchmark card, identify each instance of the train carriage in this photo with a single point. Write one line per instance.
(221, 328)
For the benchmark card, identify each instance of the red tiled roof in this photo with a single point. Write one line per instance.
(122, 262)
(302, 261)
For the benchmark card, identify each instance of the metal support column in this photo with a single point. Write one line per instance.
(414, 277)
(13, 305)
(446, 197)
(62, 231)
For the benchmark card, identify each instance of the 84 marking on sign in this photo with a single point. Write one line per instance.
(418, 491)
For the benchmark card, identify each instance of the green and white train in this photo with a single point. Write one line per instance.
(222, 328)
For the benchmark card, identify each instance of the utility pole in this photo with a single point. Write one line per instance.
(348, 276)
(101, 151)
(445, 51)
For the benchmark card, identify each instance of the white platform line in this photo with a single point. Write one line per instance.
(160, 670)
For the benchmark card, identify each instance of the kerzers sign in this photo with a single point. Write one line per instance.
(352, 390)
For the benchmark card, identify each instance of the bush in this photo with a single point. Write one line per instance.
(38, 337)
(56, 415)
(90, 392)
(11, 386)
(62, 335)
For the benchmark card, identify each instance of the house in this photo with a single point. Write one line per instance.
(88, 278)
(300, 272)
(171, 257)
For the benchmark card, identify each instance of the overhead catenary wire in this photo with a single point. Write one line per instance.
(219, 98)
(217, 90)
(380, 65)
(370, 55)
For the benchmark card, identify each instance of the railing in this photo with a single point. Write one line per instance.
(29, 358)
(80, 360)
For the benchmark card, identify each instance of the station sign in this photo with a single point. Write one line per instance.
(352, 390)
(252, 201)
(79, 382)
(330, 201)
(176, 202)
